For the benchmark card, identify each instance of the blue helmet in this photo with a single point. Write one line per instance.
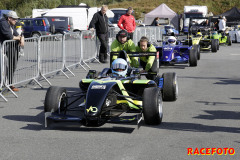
(119, 67)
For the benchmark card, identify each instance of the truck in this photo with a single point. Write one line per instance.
(193, 11)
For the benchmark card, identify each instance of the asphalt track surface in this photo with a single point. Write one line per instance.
(205, 115)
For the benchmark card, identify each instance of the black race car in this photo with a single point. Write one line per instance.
(105, 97)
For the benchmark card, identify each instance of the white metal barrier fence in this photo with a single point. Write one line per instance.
(50, 54)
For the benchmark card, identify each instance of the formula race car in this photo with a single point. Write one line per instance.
(105, 96)
(175, 52)
(201, 33)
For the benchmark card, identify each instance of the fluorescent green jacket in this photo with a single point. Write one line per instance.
(149, 59)
(129, 46)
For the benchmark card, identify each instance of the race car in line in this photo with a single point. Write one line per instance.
(105, 96)
(176, 52)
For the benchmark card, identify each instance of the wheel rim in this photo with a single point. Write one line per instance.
(176, 85)
(160, 108)
(62, 102)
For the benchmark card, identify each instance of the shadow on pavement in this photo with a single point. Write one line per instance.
(194, 127)
(220, 115)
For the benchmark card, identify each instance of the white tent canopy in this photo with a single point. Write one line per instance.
(162, 11)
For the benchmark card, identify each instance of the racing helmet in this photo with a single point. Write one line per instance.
(172, 40)
(170, 31)
(199, 34)
(119, 67)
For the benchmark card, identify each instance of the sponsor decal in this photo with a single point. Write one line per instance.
(210, 151)
(98, 87)
(167, 48)
(92, 109)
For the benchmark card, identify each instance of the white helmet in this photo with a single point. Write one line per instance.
(172, 40)
(170, 31)
(119, 67)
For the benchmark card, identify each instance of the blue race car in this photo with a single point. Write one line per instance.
(175, 52)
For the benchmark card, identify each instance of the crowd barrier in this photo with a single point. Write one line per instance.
(55, 53)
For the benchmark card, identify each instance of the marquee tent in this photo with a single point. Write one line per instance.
(232, 14)
(162, 11)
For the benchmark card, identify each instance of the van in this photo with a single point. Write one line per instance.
(81, 15)
(61, 24)
(35, 27)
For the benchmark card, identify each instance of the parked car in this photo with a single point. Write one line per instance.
(61, 24)
(118, 12)
(36, 27)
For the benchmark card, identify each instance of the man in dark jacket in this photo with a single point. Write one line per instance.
(100, 23)
(7, 32)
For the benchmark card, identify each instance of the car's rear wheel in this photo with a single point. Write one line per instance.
(152, 106)
(214, 45)
(170, 86)
(229, 41)
(55, 99)
(217, 44)
(193, 58)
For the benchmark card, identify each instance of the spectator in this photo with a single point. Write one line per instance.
(127, 22)
(123, 43)
(222, 24)
(7, 32)
(100, 23)
(147, 62)
(155, 22)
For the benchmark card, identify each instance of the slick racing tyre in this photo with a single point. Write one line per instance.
(229, 41)
(152, 106)
(170, 86)
(214, 45)
(193, 58)
(55, 99)
(197, 47)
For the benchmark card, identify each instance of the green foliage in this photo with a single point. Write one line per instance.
(24, 7)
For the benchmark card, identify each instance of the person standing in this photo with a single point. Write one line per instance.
(7, 32)
(100, 23)
(127, 22)
(155, 22)
(222, 24)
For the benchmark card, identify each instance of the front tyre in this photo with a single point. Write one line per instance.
(55, 99)
(152, 106)
(193, 58)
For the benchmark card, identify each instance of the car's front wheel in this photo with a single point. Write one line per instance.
(152, 106)
(55, 99)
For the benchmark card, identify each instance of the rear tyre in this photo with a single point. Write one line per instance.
(152, 106)
(55, 99)
(235, 38)
(214, 45)
(229, 41)
(217, 44)
(170, 86)
(193, 58)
